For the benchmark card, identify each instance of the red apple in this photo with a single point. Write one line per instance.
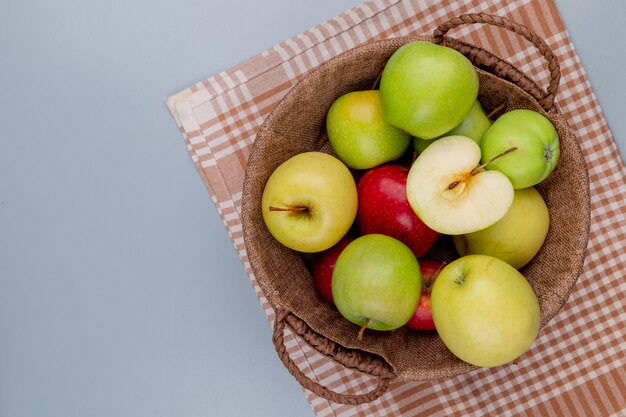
(422, 319)
(383, 208)
(323, 269)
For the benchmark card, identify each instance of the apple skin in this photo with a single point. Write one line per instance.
(537, 143)
(359, 135)
(447, 193)
(422, 319)
(517, 237)
(485, 311)
(473, 126)
(377, 277)
(384, 208)
(321, 184)
(427, 89)
(323, 270)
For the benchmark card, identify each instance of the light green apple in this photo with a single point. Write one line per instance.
(310, 202)
(484, 310)
(359, 135)
(537, 143)
(517, 237)
(427, 89)
(377, 279)
(473, 126)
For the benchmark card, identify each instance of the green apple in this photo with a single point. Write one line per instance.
(359, 135)
(473, 126)
(376, 282)
(537, 143)
(450, 192)
(517, 237)
(484, 310)
(427, 89)
(310, 202)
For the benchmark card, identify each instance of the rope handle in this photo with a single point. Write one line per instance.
(499, 67)
(353, 359)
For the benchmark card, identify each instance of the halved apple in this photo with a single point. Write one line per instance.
(450, 191)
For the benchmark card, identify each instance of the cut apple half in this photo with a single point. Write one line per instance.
(452, 194)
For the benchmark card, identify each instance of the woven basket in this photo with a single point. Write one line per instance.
(297, 125)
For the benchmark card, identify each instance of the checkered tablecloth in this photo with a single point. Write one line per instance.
(577, 365)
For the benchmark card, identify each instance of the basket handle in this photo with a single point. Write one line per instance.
(499, 67)
(353, 359)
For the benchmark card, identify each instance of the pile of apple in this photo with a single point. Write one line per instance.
(472, 179)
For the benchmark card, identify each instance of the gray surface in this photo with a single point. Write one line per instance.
(120, 294)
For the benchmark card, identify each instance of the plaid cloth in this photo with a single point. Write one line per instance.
(576, 366)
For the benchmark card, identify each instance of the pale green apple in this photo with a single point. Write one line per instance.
(537, 143)
(484, 310)
(427, 89)
(377, 278)
(517, 237)
(473, 126)
(451, 194)
(359, 135)
(310, 202)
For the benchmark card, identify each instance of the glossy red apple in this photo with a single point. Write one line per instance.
(422, 319)
(383, 208)
(323, 269)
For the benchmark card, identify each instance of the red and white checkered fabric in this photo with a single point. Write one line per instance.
(577, 365)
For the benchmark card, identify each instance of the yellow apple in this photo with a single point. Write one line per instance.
(517, 237)
(310, 202)
(484, 310)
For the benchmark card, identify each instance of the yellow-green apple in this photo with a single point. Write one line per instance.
(384, 208)
(451, 193)
(474, 126)
(537, 143)
(359, 135)
(323, 269)
(427, 89)
(485, 311)
(376, 282)
(422, 319)
(517, 237)
(310, 202)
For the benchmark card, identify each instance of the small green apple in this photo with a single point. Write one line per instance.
(517, 237)
(473, 126)
(450, 192)
(484, 310)
(537, 143)
(359, 135)
(427, 89)
(310, 202)
(377, 282)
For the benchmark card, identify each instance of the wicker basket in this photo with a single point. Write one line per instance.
(297, 125)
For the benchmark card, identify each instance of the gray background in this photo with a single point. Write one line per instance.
(120, 293)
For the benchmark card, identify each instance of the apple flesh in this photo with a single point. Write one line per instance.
(376, 282)
(485, 311)
(359, 135)
(517, 237)
(450, 192)
(384, 208)
(473, 126)
(427, 89)
(323, 270)
(309, 202)
(537, 143)
(422, 319)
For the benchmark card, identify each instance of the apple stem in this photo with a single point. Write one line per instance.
(380, 74)
(362, 330)
(288, 208)
(496, 110)
(501, 154)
